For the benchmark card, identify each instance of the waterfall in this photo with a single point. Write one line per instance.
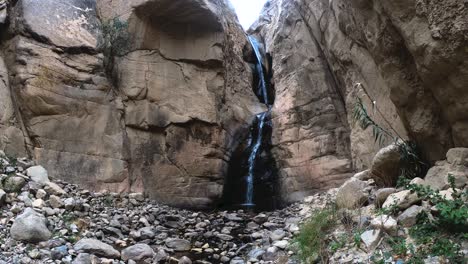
(252, 176)
(262, 86)
(261, 119)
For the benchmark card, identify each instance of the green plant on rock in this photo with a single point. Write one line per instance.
(412, 163)
(115, 40)
(452, 213)
(311, 243)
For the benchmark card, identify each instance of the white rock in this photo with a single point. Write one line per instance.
(40, 194)
(283, 244)
(402, 200)
(38, 174)
(386, 223)
(371, 238)
(38, 203)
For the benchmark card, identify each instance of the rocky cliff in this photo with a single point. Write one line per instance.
(126, 95)
(407, 61)
(154, 96)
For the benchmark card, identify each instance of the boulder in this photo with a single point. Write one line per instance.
(352, 194)
(458, 156)
(178, 244)
(96, 247)
(137, 252)
(401, 200)
(14, 184)
(38, 174)
(385, 166)
(30, 226)
(438, 176)
(409, 217)
(382, 194)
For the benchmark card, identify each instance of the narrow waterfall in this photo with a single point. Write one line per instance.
(262, 85)
(260, 122)
(252, 177)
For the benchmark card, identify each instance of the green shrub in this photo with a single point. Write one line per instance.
(310, 243)
(115, 40)
(452, 214)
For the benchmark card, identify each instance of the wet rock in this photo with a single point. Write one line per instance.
(96, 247)
(30, 226)
(137, 252)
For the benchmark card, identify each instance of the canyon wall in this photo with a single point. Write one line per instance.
(127, 95)
(155, 95)
(407, 61)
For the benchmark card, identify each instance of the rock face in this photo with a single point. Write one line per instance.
(310, 130)
(407, 61)
(127, 95)
(153, 96)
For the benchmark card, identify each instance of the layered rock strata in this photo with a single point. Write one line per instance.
(124, 95)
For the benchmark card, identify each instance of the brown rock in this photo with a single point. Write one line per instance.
(352, 194)
(385, 166)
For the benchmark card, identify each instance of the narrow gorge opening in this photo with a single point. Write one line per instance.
(252, 179)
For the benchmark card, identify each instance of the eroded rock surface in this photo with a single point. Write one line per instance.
(159, 116)
(405, 59)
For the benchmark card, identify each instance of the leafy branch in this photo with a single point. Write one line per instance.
(412, 164)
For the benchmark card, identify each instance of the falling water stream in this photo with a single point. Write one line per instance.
(262, 118)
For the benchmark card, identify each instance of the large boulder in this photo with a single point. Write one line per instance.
(352, 194)
(30, 226)
(385, 166)
(455, 166)
(38, 174)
